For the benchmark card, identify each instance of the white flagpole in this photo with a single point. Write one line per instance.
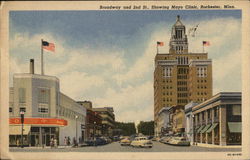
(203, 47)
(42, 71)
(157, 48)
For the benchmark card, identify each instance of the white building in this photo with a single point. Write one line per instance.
(189, 121)
(48, 112)
(163, 122)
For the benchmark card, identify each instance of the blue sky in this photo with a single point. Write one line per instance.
(108, 56)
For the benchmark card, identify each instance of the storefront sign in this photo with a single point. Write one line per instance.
(47, 121)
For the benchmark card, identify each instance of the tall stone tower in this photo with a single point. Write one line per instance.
(179, 76)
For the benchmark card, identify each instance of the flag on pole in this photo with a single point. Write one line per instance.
(160, 44)
(206, 43)
(48, 46)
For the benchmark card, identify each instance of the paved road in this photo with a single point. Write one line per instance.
(116, 147)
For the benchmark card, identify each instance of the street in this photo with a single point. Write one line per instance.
(116, 147)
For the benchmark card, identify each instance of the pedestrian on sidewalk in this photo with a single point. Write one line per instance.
(55, 143)
(65, 141)
(68, 142)
(51, 143)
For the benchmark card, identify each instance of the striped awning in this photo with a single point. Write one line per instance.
(212, 127)
(201, 127)
(234, 127)
(205, 128)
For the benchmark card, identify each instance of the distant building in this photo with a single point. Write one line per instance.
(108, 120)
(48, 112)
(180, 76)
(93, 121)
(163, 123)
(189, 117)
(86, 104)
(218, 120)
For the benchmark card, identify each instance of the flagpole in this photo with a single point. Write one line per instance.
(42, 71)
(157, 49)
(203, 48)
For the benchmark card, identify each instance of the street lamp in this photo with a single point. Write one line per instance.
(94, 133)
(76, 127)
(22, 121)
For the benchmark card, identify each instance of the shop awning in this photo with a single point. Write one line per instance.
(212, 127)
(234, 127)
(17, 130)
(201, 127)
(205, 128)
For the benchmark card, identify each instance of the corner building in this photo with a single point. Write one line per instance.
(180, 76)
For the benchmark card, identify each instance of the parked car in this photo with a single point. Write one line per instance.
(116, 138)
(141, 142)
(162, 139)
(125, 142)
(180, 141)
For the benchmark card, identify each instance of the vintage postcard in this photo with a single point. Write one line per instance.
(125, 80)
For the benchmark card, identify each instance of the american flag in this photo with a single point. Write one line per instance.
(160, 44)
(48, 46)
(206, 43)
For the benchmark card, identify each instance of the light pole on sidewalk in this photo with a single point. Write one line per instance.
(22, 121)
(76, 127)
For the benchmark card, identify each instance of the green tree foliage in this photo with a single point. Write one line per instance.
(126, 129)
(146, 128)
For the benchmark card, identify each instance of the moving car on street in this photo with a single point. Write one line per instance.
(141, 142)
(179, 141)
(125, 142)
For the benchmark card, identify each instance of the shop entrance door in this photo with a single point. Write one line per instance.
(34, 139)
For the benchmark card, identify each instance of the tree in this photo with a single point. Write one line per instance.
(146, 128)
(127, 128)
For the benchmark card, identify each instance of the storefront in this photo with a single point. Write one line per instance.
(36, 131)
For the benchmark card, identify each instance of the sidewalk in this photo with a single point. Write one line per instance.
(217, 146)
(46, 147)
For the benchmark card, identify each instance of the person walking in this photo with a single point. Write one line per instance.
(65, 141)
(51, 143)
(55, 143)
(68, 141)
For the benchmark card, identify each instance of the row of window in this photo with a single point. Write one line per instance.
(167, 71)
(201, 87)
(178, 33)
(201, 93)
(182, 70)
(182, 94)
(201, 71)
(167, 93)
(69, 113)
(168, 99)
(182, 101)
(182, 89)
(202, 81)
(167, 87)
(182, 83)
(167, 81)
(182, 77)
(41, 109)
(182, 60)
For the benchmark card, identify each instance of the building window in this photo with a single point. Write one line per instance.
(167, 72)
(201, 71)
(43, 95)
(22, 95)
(22, 109)
(236, 110)
(10, 110)
(43, 108)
